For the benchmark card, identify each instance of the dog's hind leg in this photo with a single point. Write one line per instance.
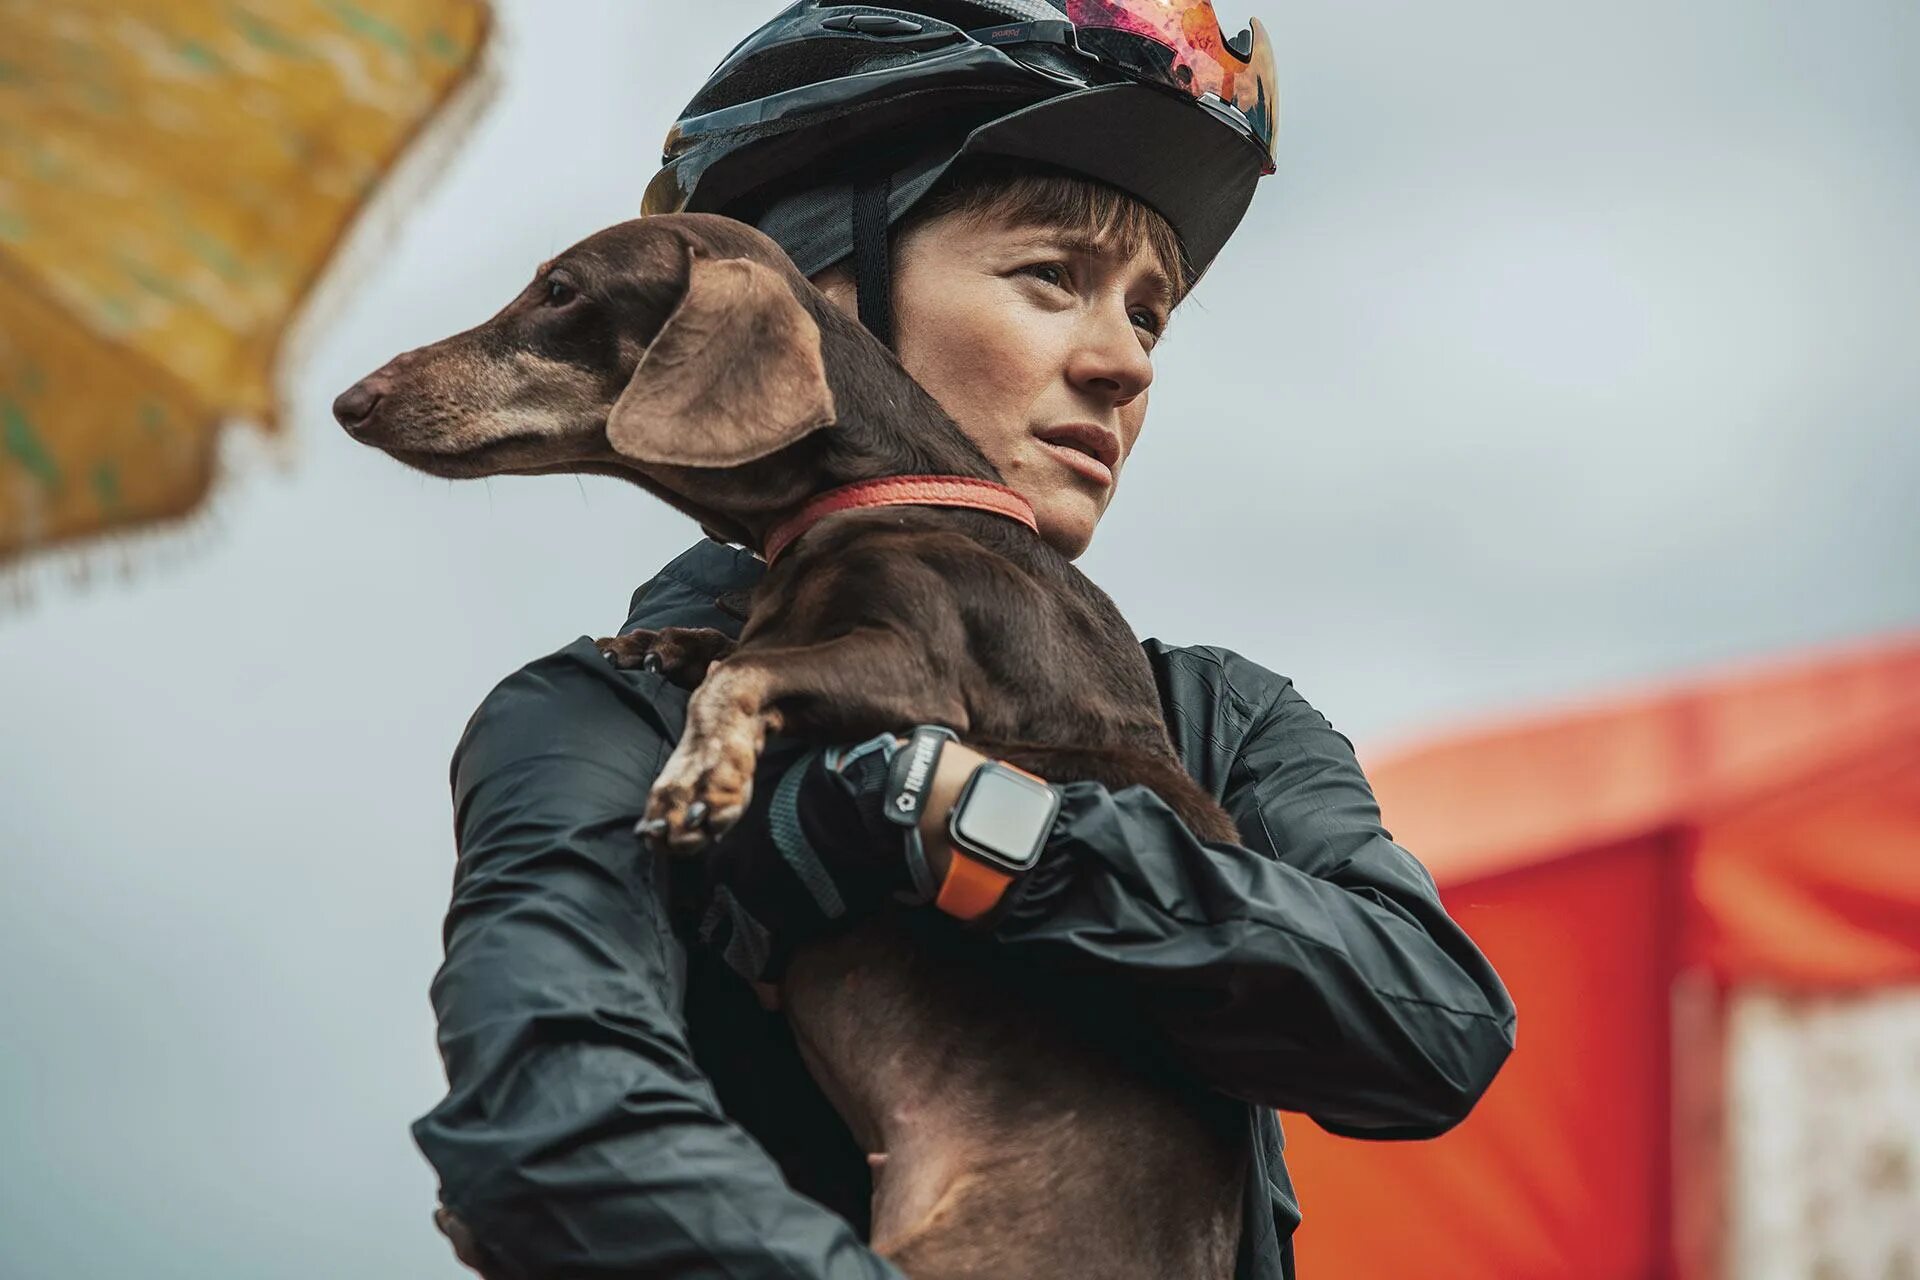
(861, 683)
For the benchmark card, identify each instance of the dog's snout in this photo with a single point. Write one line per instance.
(355, 406)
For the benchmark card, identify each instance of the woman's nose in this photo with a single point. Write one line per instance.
(1108, 356)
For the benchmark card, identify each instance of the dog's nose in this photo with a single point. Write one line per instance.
(354, 409)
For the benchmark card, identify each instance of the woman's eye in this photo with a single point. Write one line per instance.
(560, 293)
(1149, 321)
(1059, 272)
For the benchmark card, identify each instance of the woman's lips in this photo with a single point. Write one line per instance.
(1081, 463)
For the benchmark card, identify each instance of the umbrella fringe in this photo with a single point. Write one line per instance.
(115, 557)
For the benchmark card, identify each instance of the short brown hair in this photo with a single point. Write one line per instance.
(1027, 193)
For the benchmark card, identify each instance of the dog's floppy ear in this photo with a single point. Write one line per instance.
(735, 375)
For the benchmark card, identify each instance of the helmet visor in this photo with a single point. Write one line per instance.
(1180, 44)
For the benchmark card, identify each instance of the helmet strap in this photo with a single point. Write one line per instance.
(872, 270)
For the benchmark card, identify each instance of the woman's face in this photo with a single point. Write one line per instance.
(1038, 344)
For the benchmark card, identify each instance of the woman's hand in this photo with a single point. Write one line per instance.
(815, 853)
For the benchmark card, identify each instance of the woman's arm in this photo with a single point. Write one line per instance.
(1311, 969)
(578, 1137)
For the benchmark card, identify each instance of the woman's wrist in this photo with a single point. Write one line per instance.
(957, 763)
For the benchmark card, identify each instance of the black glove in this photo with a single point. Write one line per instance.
(815, 851)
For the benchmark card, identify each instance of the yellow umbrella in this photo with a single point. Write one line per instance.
(174, 175)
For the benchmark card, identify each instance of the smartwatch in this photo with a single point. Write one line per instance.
(998, 827)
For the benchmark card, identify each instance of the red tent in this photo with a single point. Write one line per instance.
(1629, 866)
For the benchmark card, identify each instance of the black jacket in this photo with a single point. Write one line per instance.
(619, 1105)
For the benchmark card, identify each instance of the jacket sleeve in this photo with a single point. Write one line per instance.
(1311, 969)
(578, 1138)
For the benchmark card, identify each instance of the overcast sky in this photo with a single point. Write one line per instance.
(1573, 347)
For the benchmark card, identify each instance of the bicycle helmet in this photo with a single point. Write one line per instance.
(826, 125)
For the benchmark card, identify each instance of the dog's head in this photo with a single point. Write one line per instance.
(676, 350)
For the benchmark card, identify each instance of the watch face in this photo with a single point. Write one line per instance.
(1006, 815)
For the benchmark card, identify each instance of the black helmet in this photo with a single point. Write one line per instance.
(826, 125)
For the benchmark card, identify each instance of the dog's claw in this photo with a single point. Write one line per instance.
(650, 828)
(651, 662)
(697, 814)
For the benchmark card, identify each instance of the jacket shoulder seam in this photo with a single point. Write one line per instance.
(1215, 657)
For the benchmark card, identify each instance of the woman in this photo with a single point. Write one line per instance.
(1034, 197)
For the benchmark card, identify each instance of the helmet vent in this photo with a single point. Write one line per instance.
(791, 66)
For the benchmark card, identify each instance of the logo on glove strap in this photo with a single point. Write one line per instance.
(924, 750)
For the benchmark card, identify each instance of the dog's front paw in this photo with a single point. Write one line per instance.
(632, 651)
(701, 793)
(687, 653)
(682, 654)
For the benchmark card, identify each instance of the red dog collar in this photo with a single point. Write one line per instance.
(903, 491)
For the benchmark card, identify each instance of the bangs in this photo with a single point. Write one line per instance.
(1026, 194)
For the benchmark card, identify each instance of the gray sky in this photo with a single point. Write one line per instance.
(1572, 348)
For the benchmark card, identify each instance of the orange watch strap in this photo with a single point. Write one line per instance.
(971, 888)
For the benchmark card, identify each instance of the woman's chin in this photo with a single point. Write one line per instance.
(1067, 519)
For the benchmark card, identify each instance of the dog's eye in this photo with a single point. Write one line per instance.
(560, 293)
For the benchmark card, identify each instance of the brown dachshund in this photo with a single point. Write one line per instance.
(686, 353)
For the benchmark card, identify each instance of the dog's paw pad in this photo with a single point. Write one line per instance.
(692, 806)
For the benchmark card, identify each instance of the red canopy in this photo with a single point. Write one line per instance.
(1624, 864)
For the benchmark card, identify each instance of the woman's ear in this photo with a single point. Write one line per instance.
(735, 374)
(835, 283)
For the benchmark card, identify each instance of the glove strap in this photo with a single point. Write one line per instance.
(888, 749)
(908, 776)
(790, 838)
(908, 782)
